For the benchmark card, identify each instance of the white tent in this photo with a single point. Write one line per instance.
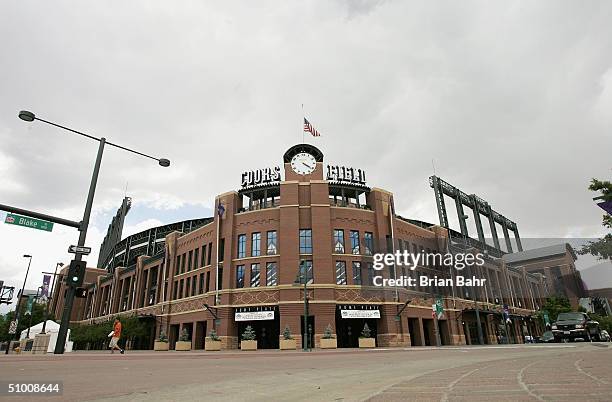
(52, 328)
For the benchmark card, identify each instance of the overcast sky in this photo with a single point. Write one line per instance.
(511, 100)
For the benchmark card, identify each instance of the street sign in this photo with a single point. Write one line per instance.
(12, 327)
(19, 220)
(79, 250)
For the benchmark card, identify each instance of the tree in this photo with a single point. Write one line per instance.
(555, 305)
(248, 334)
(38, 315)
(365, 332)
(287, 333)
(602, 248)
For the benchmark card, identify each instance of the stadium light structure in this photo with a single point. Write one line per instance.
(84, 224)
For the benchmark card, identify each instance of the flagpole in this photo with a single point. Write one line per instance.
(217, 255)
(303, 118)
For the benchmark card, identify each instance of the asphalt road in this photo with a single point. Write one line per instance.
(557, 372)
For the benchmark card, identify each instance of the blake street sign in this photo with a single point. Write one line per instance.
(19, 220)
(79, 250)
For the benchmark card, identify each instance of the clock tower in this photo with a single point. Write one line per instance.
(303, 163)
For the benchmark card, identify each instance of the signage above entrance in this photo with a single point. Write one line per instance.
(360, 313)
(254, 316)
(261, 176)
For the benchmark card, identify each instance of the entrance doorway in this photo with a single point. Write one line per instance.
(267, 332)
(349, 329)
(415, 332)
(200, 335)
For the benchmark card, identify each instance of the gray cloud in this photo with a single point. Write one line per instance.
(510, 100)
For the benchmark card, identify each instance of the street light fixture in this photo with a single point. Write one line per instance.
(84, 224)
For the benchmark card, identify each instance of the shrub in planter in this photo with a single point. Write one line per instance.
(328, 341)
(161, 343)
(248, 339)
(288, 342)
(213, 342)
(184, 342)
(365, 339)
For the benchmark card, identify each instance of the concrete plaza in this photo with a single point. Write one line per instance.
(578, 371)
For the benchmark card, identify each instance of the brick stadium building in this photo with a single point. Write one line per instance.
(319, 219)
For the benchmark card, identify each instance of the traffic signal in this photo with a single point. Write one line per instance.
(81, 293)
(76, 273)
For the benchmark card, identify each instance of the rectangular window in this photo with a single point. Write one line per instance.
(190, 261)
(178, 264)
(255, 277)
(193, 285)
(340, 273)
(196, 254)
(338, 241)
(309, 272)
(187, 286)
(272, 246)
(201, 282)
(369, 243)
(207, 288)
(354, 242)
(305, 241)
(175, 292)
(209, 254)
(255, 244)
(240, 276)
(203, 262)
(183, 259)
(241, 246)
(221, 250)
(271, 274)
(356, 273)
(181, 284)
(220, 278)
(370, 273)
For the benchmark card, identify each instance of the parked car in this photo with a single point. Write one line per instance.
(575, 325)
(605, 336)
(547, 337)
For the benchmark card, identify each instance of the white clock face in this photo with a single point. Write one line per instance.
(303, 163)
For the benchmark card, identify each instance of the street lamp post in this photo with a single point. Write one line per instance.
(70, 293)
(59, 264)
(20, 296)
(480, 335)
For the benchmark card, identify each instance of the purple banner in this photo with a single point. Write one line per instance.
(606, 206)
(45, 286)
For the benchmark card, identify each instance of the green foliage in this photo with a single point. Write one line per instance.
(328, 333)
(602, 248)
(96, 334)
(605, 322)
(554, 305)
(185, 337)
(38, 315)
(162, 337)
(248, 334)
(287, 333)
(365, 332)
(213, 335)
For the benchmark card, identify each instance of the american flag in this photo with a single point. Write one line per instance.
(309, 128)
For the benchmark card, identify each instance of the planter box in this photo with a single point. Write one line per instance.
(288, 344)
(248, 345)
(367, 343)
(329, 343)
(183, 345)
(158, 345)
(209, 344)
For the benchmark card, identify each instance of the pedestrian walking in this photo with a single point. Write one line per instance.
(115, 335)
